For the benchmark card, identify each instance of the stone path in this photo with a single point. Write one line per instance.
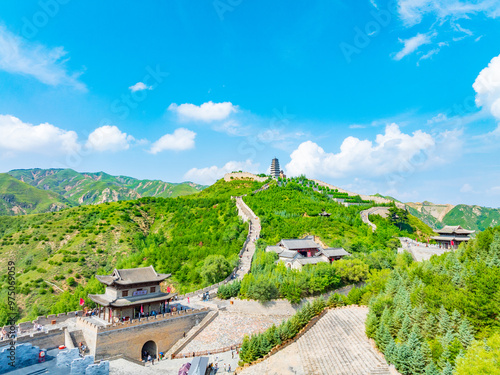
(254, 232)
(335, 345)
(420, 251)
(229, 328)
(169, 367)
(382, 211)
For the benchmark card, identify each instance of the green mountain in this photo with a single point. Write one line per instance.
(57, 254)
(93, 188)
(471, 217)
(18, 198)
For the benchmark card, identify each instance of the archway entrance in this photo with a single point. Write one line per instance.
(149, 348)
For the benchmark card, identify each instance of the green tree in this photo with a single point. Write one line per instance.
(444, 325)
(481, 358)
(465, 335)
(431, 369)
(215, 269)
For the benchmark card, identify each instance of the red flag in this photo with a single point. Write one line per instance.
(168, 289)
(82, 302)
(142, 310)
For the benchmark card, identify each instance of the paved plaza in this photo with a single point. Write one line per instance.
(229, 328)
(335, 345)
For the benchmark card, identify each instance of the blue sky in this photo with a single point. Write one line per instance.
(400, 97)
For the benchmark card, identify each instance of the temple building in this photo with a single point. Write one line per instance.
(450, 237)
(296, 253)
(131, 293)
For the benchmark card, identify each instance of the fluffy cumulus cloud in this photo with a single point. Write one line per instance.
(487, 87)
(412, 44)
(413, 11)
(392, 152)
(17, 136)
(206, 112)
(211, 174)
(139, 86)
(31, 59)
(108, 138)
(181, 139)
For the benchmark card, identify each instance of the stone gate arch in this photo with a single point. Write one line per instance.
(150, 348)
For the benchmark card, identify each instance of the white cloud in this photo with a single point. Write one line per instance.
(413, 11)
(487, 87)
(211, 174)
(139, 86)
(466, 188)
(206, 112)
(391, 152)
(108, 138)
(181, 139)
(17, 136)
(438, 118)
(412, 44)
(32, 59)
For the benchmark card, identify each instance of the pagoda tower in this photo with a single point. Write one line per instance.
(275, 168)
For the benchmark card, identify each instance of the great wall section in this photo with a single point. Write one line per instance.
(209, 328)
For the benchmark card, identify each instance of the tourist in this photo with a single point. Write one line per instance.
(149, 358)
(229, 367)
(224, 367)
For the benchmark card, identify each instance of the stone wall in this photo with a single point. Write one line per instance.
(243, 175)
(23, 355)
(129, 339)
(101, 368)
(50, 340)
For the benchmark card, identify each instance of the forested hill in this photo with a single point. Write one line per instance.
(65, 249)
(18, 198)
(93, 188)
(427, 314)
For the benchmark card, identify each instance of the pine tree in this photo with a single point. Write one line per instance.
(245, 350)
(426, 352)
(429, 329)
(391, 351)
(414, 339)
(382, 337)
(444, 321)
(447, 338)
(447, 369)
(431, 369)
(417, 362)
(397, 321)
(404, 359)
(405, 330)
(386, 318)
(465, 335)
(371, 324)
(418, 315)
(445, 357)
(455, 320)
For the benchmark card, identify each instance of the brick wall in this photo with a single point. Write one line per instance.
(129, 340)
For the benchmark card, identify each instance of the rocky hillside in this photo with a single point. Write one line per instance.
(18, 198)
(94, 188)
(471, 217)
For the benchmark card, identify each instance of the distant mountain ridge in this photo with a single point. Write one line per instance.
(18, 198)
(472, 217)
(73, 188)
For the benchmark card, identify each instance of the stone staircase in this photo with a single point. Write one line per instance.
(337, 345)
